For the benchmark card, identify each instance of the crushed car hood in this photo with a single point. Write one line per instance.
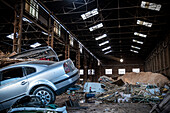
(42, 53)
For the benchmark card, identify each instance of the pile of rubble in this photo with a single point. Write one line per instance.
(117, 93)
(131, 93)
(134, 89)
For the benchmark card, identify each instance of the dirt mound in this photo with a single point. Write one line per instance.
(145, 77)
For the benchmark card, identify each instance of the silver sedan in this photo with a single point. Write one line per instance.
(45, 79)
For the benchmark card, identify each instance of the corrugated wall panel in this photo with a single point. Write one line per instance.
(159, 60)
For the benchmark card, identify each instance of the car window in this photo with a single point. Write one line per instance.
(0, 78)
(103, 86)
(11, 75)
(29, 70)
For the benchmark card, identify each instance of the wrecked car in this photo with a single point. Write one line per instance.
(33, 104)
(40, 53)
(42, 78)
(94, 87)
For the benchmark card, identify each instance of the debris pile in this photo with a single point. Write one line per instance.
(141, 87)
(120, 92)
(105, 79)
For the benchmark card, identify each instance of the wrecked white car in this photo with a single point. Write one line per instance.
(93, 87)
(42, 78)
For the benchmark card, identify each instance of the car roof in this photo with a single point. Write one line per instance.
(41, 62)
(38, 62)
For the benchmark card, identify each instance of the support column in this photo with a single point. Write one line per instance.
(93, 67)
(167, 57)
(20, 28)
(157, 63)
(50, 34)
(97, 74)
(90, 76)
(78, 59)
(101, 70)
(52, 37)
(15, 31)
(151, 64)
(67, 48)
(168, 60)
(49, 31)
(18, 13)
(160, 61)
(85, 68)
(163, 60)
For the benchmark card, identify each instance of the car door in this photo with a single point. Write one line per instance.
(0, 97)
(13, 86)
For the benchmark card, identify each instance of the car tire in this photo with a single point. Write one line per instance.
(46, 95)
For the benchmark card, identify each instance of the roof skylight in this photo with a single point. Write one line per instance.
(147, 24)
(44, 33)
(139, 42)
(103, 43)
(100, 37)
(134, 51)
(35, 45)
(152, 6)
(108, 52)
(106, 48)
(90, 14)
(140, 34)
(96, 27)
(11, 36)
(26, 20)
(135, 47)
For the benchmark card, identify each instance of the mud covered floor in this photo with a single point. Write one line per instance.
(113, 108)
(103, 107)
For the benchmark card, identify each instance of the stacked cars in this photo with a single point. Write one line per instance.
(42, 78)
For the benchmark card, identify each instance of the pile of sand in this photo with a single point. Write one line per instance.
(145, 77)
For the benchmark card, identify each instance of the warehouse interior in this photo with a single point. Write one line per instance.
(101, 37)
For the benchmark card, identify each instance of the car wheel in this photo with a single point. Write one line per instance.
(46, 95)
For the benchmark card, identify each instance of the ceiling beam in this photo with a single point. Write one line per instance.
(119, 33)
(116, 27)
(118, 19)
(7, 4)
